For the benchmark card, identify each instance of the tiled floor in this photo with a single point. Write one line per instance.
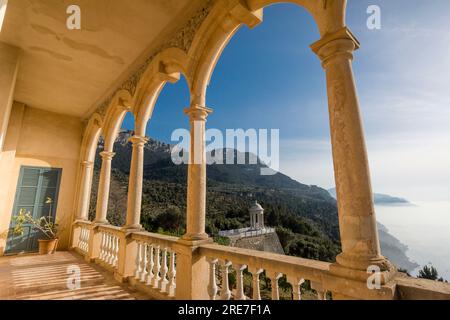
(53, 277)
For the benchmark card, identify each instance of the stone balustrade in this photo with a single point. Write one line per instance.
(109, 246)
(83, 240)
(149, 262)
(155, 264)
(223, 259)
(82, 236)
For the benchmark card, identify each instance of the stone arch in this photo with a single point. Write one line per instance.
(329, 15)
(91, 135)
(225, 20)
(121, 103)
(167, 66)
(89, 144)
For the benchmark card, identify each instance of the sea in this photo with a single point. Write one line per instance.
(425, 228)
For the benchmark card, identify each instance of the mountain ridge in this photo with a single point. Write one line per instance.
(379, 198)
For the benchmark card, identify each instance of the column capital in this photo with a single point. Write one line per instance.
(107, 155)
(340, 43)
(197, 112)
(139, 141)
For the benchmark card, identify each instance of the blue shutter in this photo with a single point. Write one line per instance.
(35, 185)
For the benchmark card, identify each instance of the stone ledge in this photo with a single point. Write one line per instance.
(421, 289)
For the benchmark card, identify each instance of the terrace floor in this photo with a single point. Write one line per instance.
(36, 277)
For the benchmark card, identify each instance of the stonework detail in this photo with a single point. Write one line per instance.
(182, 40)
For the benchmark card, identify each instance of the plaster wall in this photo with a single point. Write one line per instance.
(42, 139)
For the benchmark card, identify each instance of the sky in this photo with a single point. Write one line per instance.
(268, 78)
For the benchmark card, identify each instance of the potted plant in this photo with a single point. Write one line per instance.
(44, 224)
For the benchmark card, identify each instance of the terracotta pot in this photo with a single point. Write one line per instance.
(48, 246)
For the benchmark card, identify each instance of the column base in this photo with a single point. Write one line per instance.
(136, 228)
(364, 269)
(100, 222)
(351, 289)
(362, 262)
(195, 236)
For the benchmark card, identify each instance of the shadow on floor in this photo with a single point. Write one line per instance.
(53, 277)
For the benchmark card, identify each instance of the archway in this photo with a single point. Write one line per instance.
(335, 50)
(280, 87)
(164, 183)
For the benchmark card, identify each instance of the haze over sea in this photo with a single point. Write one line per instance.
(425, 228)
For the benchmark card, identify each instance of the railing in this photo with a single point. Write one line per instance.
(155, 264)
(82, 236)
(149, 262)
(296, 270)
(109, 246)
(83, 240)
(246, 232)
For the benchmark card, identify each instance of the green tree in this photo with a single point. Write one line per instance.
(430, 272)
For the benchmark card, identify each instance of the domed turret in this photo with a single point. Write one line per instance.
(256, 216)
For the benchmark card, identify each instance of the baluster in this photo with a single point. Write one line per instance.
(172, 274)
(296, 287)
(275, 287)
(137, 273)
(113, 250)
(319, 289)
(144, 261)
(225, 293)
(116, 251)
(105, 247)
(102, 247)
(212, 287)
(88, 236)
(105, 251)
(240, 282)
(110, 251)
(164, 270)
(157, 267)
(151, 264)
(86, 240)
(80, 240)
(255, 283)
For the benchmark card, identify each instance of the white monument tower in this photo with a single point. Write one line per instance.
(256, 217)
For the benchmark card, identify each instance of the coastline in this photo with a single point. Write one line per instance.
(424, 230)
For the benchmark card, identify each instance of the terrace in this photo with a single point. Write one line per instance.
(49, 122)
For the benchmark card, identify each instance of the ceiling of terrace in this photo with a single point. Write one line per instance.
(69, 71)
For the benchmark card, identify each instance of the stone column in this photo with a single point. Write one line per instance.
(85, 190)
(135, 183)
(103, 187)
(357, 222)
(262, 220)
(196, 185)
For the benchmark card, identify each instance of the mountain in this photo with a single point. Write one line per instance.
(305, 216)
(379, 199)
